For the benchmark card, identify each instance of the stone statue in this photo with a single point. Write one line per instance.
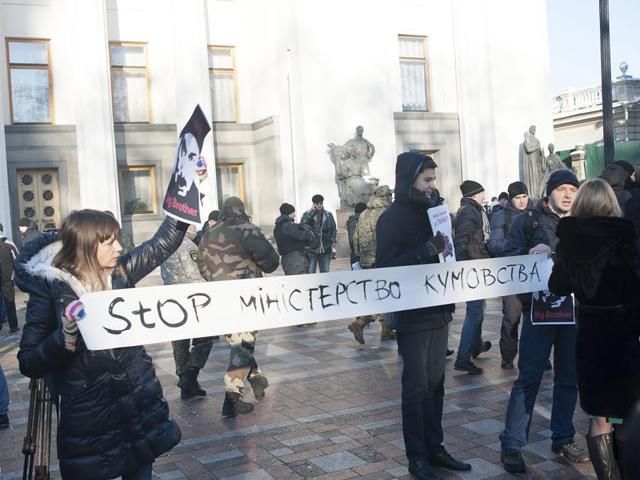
(351, 163)
(551, 163)
(532, 162)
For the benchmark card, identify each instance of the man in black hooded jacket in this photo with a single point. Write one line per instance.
(404, 237)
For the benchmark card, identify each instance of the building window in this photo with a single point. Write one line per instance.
(414, 74)
(230, 178)
(222, 82)
(30, 86)
(129, 82)
(138, 190)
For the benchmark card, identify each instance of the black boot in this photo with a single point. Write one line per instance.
(258, 383)
(234, 405)
(421, 470)
(189, 385)
(602, 457)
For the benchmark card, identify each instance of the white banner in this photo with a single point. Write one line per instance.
(121, 318)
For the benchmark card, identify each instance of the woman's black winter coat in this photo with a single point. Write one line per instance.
(113, 416)
(598, 260)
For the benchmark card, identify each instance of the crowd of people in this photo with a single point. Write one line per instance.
(114, 420)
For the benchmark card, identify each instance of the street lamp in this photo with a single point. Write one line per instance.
(605, 73)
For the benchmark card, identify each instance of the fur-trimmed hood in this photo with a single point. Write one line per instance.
(34, 267)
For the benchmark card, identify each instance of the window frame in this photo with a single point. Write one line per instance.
(30, 66)
(154, 195)
(126, 69)
(234, 74)
(424, 61)
(240, 166)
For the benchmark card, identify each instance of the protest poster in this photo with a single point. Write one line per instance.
(440, 220)
(183, 199)
(550, 309)
(120, 318)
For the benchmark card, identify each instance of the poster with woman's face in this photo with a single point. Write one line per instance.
(183, 199)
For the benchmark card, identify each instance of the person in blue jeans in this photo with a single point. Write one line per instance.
(470, 238)
(535, 232)
(4, 401)
(323, 226)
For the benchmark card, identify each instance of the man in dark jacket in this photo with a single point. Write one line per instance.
(470, 241)
(511, 307)
(404, 237)
(236, 248)
(8, 253)
(352, 223)
(324, 230)
(503, 201)
(292, 238)
(628, 196)
(535, 232)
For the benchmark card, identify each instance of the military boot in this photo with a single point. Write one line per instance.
(189, 386)
(387, 333)
(357, 328)
(234, 405)
(258, 383)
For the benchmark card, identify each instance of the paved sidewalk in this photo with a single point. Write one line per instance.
(332, 412)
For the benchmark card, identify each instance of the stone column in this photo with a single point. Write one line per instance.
(86, 52)
(192, 79)
(577, 161)
(5, 204)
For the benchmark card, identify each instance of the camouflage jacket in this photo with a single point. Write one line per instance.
(364, 238)
(182, 265)
(235, 248)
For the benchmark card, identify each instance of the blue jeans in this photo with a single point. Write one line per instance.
(4, 393)
(471, 335)
(143, 473)
(319, 259)
(535, 347)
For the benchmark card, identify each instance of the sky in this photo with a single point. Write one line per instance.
(574, 41)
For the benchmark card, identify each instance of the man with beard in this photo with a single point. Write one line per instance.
(404, 237)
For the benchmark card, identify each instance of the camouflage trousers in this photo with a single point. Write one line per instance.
(242, 363)
(191, 353)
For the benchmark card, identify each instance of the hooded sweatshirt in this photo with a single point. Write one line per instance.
(402, 232)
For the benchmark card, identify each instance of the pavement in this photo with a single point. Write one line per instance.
(332, 411)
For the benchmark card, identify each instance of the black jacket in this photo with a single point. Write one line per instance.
(324, 230)
(628, 197)
(469, 238)
(290, 236)
(534, 227)
(114, 418)
(501, 222)
(8, 252)
(402, 233)
(598, 260)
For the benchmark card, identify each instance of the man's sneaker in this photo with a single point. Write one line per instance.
(485, 347)
(507, 365)
(512, 460)
(357, 331)
(467, 366)
(4, 421)
(572, 452)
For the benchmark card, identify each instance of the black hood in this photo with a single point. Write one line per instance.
(615, 176)
(408, 166)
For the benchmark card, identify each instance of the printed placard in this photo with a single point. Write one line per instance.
(440, 220)
(550, 309)
(183, 199)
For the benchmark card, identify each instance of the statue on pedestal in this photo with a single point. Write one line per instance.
(551, 163)
(351, 163)
(531, 162)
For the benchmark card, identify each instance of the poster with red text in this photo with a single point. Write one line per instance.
(183, 199)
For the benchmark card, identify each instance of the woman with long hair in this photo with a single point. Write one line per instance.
(598, 260)
(114, 420)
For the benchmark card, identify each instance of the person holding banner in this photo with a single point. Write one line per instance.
(404, 237)
(472, 233)
(598, 259)
(501, 222)
(236, 248)
(535, 232)
(114, 419)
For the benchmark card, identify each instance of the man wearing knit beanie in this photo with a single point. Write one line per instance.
(470, 241)
(292, 238)
(535, 232)
(501, 223)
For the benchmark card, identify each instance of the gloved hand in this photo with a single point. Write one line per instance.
(437, 243)
(73, 313)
